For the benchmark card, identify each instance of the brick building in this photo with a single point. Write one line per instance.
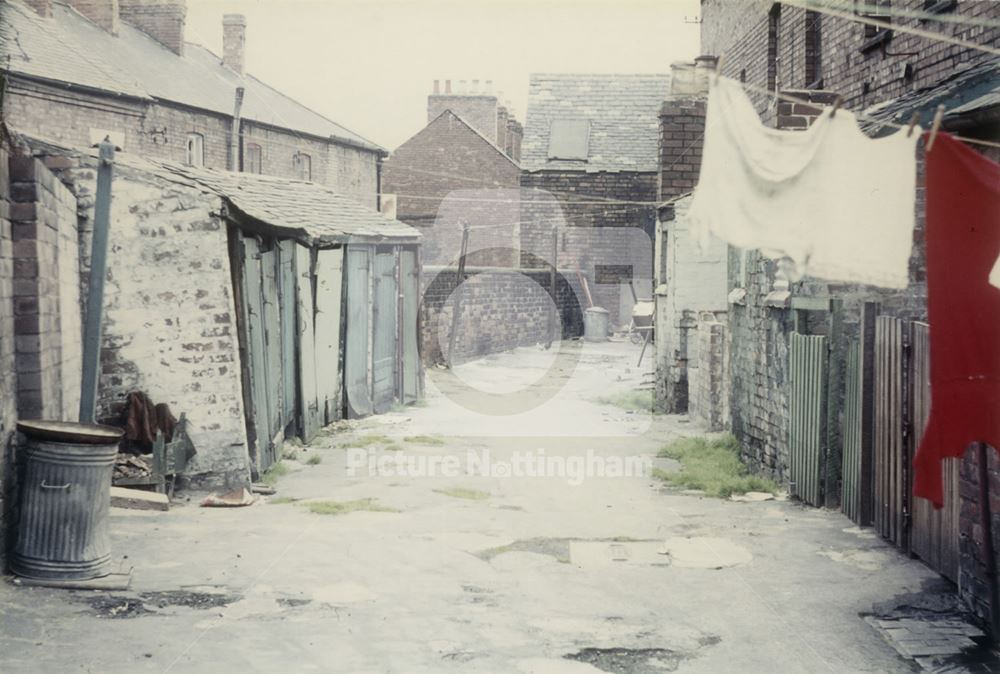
(589, 157)
(816, 56)
(79, 70)
(460, 169)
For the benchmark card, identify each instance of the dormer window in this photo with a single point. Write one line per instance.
(195, 149)
(569, 139)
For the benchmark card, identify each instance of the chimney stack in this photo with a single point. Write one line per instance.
(162, 20)
(43, 7)
(234, 39)
(103, 13)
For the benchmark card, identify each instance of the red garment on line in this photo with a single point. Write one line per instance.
(963, 242)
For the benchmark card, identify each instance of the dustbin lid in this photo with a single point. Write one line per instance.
(70, 431)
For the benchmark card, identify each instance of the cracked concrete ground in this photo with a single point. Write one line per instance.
(483, 573)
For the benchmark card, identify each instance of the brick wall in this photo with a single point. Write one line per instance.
(447, 175)
(47, 317)
(973, 581)
(682, 135)
(708, 383)
(169, 314)
(480, 111)
(8, 369)
(501, 309)
(547, 201)
(159, 131)
(738, 29)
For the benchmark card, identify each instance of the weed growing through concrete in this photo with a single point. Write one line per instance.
(367, 441)
(393, 447)
(277, 470)
(434, 440)
(344, 507)
(314, 460)
(713, 466)
(634, 401)
(462, 492)
(289, 453)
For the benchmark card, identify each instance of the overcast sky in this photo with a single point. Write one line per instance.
(369, 64)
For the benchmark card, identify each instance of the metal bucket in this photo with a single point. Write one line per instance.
(595, 324)
(65, 497)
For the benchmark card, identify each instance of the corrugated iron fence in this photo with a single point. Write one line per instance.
(807, 416)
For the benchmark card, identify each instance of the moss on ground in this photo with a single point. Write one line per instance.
(276, 471)
(713, 466)
(434, 440)
(344, 507)
(462, 492)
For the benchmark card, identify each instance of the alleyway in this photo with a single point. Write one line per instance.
(479, 573)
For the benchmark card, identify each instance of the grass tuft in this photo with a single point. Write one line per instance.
(314, 460)
(713, 466)
(462, 492)
(435, 440)
(630, 400)
(277, 470)
(344, 507)
(367, 441)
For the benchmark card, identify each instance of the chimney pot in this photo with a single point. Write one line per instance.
(475, 86)
(234, 38)
(462, 87)
(489, 86)
(447, 86)
(437, 87)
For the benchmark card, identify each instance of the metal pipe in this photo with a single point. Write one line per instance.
(235, 143)
(95, 291)
(456, 310)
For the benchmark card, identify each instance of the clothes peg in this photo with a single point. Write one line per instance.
(836, 106)
(913, 122)
(938, 114)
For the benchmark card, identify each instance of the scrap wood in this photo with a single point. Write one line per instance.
(234, 499)
(137, 499)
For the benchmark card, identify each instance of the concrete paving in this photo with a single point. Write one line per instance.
(492, 544)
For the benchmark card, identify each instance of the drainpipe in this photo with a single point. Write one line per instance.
(378, 184)
(95, 291)
(237, 131)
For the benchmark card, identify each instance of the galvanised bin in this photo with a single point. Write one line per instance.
(595, 324)
(65, 496)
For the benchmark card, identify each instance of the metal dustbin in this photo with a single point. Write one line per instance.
(595, 324)
(65, 495)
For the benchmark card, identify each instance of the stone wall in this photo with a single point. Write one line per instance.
(169, 313)
(501, 309)
(973, 581)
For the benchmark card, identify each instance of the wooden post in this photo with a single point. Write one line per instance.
(834, 405)
(456, 310)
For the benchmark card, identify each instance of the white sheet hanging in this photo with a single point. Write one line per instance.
(840, 204)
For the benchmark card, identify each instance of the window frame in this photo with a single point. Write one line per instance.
(249, 158)
(875, 36)
(563, 122)
(199, 145)
(300, 160)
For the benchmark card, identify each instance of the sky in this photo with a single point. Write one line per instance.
(370, 64)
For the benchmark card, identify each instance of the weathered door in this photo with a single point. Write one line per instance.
(409, 297)
(934, 535)
(807, 416)
(891, 455)
(310, 415)
(287, 311)
(357, 361)
(259, 417)
(384, 356)
(329, 284)
(272, 338)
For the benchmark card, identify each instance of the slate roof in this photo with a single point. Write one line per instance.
(623, 111)
(306, 211)
(68, 48)
(970, 90)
